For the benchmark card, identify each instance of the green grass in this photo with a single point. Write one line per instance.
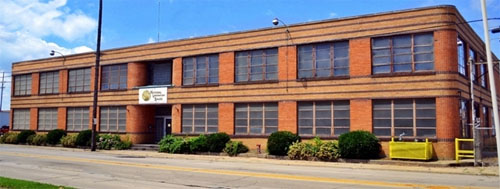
(15, 183)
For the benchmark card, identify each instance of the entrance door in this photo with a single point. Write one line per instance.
(163, 126)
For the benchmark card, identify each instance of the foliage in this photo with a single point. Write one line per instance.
(328, 151)
(9, 138)
(124, 144)
(279, 142)
(359, 145)
(69, 141)
(112, 142)
(39, 139)
(300, 151)
(171, 144)
(233, 148)
(16, 183)
(23, 135)
(317, 149)
(54, 136)
(29, 140)
(217, 141)
(83, 138)
(198, 144)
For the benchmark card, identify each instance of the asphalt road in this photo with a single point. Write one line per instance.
(84, 169)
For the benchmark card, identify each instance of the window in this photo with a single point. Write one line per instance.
(49, 82)
(200, 118)
(114, 77)
(404, 53)
(21, 119)
(257, 65)
(47, 119)
(475, 74)
(113, 119)
(77, 119)
(79, 80)
(22, 85)
(258, 118)
(407, 117)
(464, 118)
(462, 67)
(323, 60)
(326, 118)
(160, 73)
(483, 74)
(200, 70)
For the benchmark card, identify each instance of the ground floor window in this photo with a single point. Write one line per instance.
(21, 119)
(47, 119)
(406, 117)
(77, 119)
(323, 118)
(113, 119)
(200, 118)
(256, 118)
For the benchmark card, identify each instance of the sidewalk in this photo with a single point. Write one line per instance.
(442, 166)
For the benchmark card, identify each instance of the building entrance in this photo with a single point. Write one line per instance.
(163, 126)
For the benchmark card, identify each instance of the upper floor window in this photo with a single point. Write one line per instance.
(49, 82)
(403, 53)
(22, 85)
(406, 117)
(256, 65)
(47, 119)
(113, 119)
(475, 74)
(160, 73)
(482, 71)
(324, 118)
(256, 118)
(200, 118)
(323, 60)
(200, 70)
(21, 119)
(462, 67)
(114, 77)
(79, 80)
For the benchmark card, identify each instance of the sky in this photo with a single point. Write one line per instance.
(30, 29)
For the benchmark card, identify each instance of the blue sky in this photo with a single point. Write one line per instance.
(29, 29)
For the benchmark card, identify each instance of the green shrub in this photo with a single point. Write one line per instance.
(109, 141)
(10, 138)
(29, 140)
(328, 151)
(123, 145)
(217, 141)
(172, 144)
(69, 141)
(279, 142)
(84, 138)
(359, 145)
(198, 144)
(39, 140)
(23, 135)
(300, 151)
(317, 149)
(54, 136)
(233, 148)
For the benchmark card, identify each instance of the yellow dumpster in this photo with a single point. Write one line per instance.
(410, 150)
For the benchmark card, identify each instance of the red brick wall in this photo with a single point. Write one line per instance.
(287, 116)
(361, 114)
(360, 57)
(61, 118)
(176, 118)
(140, 123)
(137, 75)
(177, 72)
(445, 50)
(63, 81)
(287, 70)
(226, 67)
(92, 74)
(447, 117)
(34, 119)
(35, 83)
(90, 116)
(226, 118)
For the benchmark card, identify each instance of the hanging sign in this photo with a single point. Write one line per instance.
(153, 96)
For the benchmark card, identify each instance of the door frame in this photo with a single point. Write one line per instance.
(165, 123)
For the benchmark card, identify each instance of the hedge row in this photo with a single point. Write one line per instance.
(217, 142)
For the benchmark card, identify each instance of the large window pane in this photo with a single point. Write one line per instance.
(256, 118)
(21, 119)
(114, 77)
(49, 82)
(22, 85)
(200, 70)
(323, 60)
(324, 118)
(47, 119)
(113, 119)
(77, 119)
(200, 118)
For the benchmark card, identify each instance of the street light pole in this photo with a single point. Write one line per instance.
(96, 78)
(491, 77)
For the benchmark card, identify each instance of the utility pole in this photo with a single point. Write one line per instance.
(475, 132)
(1, 89)
(96, 79)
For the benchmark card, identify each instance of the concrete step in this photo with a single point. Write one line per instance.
(145, 147)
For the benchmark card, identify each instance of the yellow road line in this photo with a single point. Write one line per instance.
(227, 172)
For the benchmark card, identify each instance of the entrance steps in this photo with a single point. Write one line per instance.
(145, 147)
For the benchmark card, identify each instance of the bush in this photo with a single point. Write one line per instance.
(109, 142)
(54, 136)
(279, 142)
(217, 142)
(198, 144)
(83, 138)
(23, 135)
(233, 148)
(172, 144)
(69, 141)
(328, 151)
(124, 144)
(359, 145)
(9, 138)
(29, 140)
(39, 140)
(300, 151)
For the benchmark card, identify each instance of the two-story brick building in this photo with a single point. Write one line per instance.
(387, 73)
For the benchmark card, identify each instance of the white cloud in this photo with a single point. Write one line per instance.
(151, 40)
(332, 14)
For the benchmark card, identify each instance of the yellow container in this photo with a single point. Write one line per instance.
(410, 150)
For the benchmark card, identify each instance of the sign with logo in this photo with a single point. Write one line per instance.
(153, 96)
